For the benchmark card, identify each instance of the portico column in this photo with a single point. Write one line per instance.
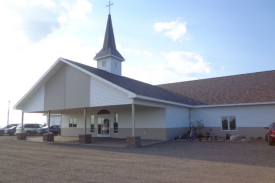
(133, 141)
(22, 119)
(22, 136)
(133, 119)
(49, 121)
(48, 137)
(85, 119)
(86, 138)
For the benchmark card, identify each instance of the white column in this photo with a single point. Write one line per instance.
(22, 120)
(85, 119)
(49, 121)
(189, 118)
(133, 119)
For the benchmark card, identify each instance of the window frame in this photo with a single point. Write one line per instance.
(228, 122)
(91, 123)
(73, 120)
(115, 121)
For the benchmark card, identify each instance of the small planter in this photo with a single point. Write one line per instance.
(227, 137)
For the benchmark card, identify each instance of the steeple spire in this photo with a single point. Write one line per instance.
(109, 46)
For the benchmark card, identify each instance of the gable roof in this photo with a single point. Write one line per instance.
(138, 87)
(109, 46)
(244, 88)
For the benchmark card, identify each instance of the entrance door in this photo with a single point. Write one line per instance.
(103, 127)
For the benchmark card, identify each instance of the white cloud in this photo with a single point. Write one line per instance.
(38, 19)
(187, 62)
(79, 9)
(128, 50)
(148, 53)
(138, 52)
(46, 3)
(118, 46)
(21, 3)
(100, 40)
(222, 68)
(177, 66)
(176, 29)
(62, 19)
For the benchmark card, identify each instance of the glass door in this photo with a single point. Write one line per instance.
(103, 126)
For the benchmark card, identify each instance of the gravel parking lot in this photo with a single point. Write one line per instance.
(23, 161)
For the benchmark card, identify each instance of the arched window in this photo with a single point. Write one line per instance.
(103, 112)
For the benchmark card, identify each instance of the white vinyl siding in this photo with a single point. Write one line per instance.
(36, 102)
(176, 116)
(77, 88)
(246, 116)
(102, 94)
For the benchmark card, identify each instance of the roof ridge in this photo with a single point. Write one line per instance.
(215, 77)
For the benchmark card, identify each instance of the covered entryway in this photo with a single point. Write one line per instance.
(103, 126)
(103, 123)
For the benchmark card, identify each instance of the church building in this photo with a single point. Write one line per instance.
(116, 106)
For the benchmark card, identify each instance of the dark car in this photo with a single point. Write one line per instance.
(3, 128)
(11, 130)
(270, 135)
(54, 129)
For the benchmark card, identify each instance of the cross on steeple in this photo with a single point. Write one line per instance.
(110, 6)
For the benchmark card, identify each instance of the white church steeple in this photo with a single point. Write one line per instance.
(109, 59)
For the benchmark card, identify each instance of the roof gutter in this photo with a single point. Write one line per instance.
(162, 101)
(232, 105)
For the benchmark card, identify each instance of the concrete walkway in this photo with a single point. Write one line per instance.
(96, 141)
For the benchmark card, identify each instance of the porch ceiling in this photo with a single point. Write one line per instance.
(111, 108)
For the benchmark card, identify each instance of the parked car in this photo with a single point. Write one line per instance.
(270, 134)
(11, 130)
(28, 128)
(3, 128)
(53, 128)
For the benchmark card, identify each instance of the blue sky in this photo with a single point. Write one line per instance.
(162, 41)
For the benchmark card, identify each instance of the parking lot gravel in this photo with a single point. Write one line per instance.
(22, 161)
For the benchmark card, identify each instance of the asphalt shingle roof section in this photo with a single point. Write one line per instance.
(245, 88)
(109, 46)
(139, 87)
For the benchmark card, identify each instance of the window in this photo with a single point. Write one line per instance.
(92, 123)
(28, 126)
(72, 122)
(116, 123)
(229, 123)
(115, 64)
(103, 63)
(36, 126)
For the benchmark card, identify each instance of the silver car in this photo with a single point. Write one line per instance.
(28, 128)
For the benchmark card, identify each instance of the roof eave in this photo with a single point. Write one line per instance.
(111, 55)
